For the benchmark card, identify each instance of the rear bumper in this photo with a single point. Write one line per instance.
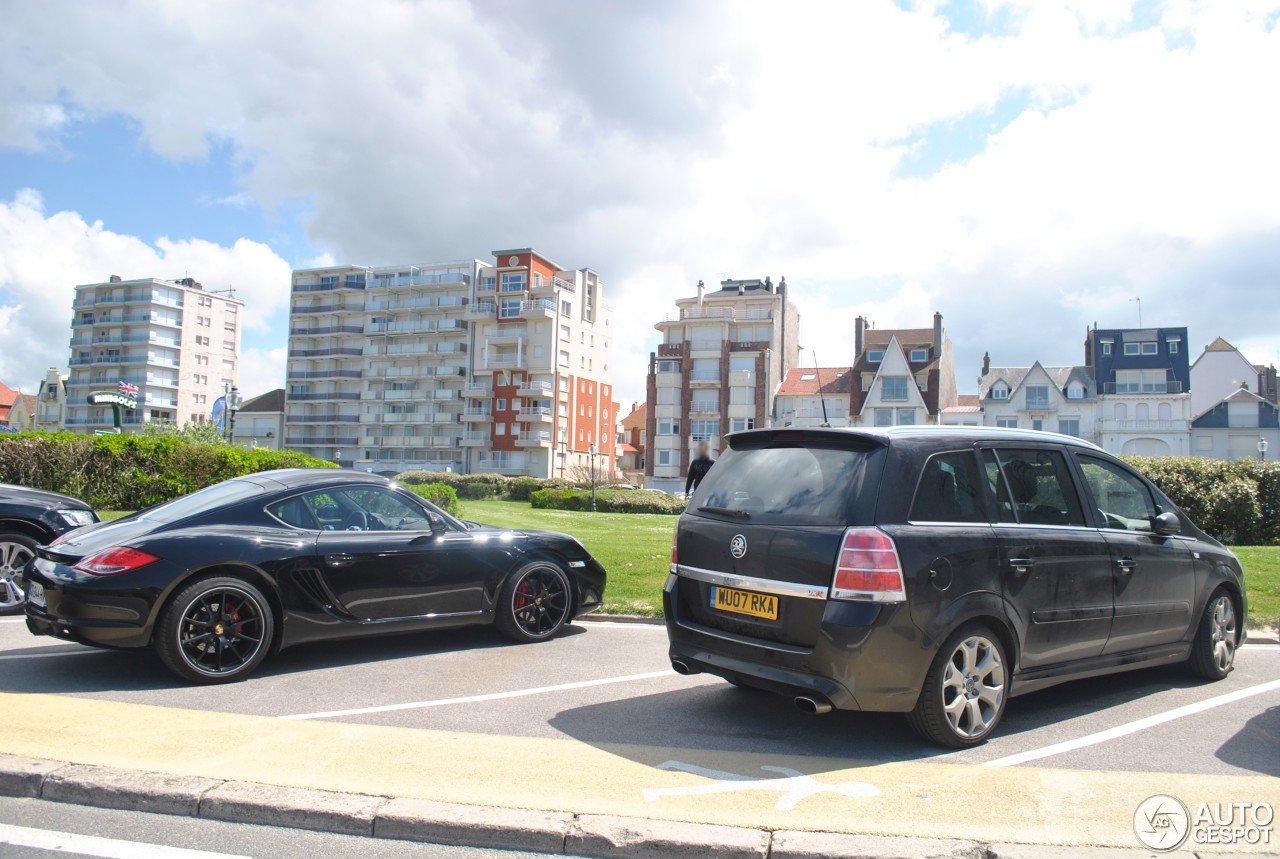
(97, 633)
(867, 657)
(90, 612)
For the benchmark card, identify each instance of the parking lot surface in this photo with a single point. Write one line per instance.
(595, 721)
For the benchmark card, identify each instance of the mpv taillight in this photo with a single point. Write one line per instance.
(675, 557)
(868, 569)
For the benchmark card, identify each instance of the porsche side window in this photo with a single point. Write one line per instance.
(293, 512)
(365, 509)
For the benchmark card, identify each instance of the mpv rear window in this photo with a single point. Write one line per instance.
(784, 485)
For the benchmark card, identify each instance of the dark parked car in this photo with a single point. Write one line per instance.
(219, 579)
(28, 518)
(939, 571)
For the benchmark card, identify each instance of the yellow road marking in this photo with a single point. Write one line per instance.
(1073, 807)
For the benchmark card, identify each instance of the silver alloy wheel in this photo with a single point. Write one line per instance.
(1224, 634)
(973, 687)
(13, 560)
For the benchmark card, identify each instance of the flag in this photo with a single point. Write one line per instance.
(129, 389)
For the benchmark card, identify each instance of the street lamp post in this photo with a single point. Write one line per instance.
(592, 453)
(233, 403)
(337, 458)
(1262, 450)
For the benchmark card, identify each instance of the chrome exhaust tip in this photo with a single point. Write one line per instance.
(812, 706)
(679, 666)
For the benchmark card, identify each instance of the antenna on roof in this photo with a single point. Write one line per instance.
(818, 374)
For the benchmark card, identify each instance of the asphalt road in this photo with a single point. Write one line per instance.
(628, 695)
(595, 722)
(69, 831)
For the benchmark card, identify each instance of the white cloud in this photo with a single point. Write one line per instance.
(43, 256)
(261, 370)
(1091, 150)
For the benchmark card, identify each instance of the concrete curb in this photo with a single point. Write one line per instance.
(479, 826)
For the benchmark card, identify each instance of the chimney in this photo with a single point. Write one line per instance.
(702, 287)
(768, 283)
(742, 290)
(115, 278)
(782, 285)
(986, 363)
(859, 332)
(937, 335)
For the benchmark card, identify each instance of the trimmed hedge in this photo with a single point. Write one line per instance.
(444, 497)
(482, 487)
(607, 501)
(1237, 501)
(128, 471)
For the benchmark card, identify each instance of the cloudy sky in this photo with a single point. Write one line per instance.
(1025, 167)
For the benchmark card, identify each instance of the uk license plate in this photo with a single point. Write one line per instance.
(744, 602)
(35, 594)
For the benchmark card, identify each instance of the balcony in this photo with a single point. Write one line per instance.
(538, 307)
(705, 407)
(322, 330)
(487, 286)
(1145, 426)
(318, 440)
(348, 351)
(419, 278)
(507, 333)
(500, 466)
(328, 308)
(481, 390)
(536, 389)
(476, 415)
(331, 396)
(705, 346)
(480, 310)
(325, 374)
(555, 284)
(533, 439)
(442, 302)
(504, 360)
(725, 313)
(322, 419)
(540, 414)
(1140, 389)
(310, 285)
(1039, 406)
(474, 439)
(704, 379)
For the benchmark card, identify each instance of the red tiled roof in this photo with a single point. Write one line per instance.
(814, 380)
(627, 448)
(636, 420)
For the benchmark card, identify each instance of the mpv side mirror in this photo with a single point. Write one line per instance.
(438, 525)
(1168, 524)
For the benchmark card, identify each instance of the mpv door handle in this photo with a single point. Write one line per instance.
(339, 559)
(1021, 565)
(1126, 565)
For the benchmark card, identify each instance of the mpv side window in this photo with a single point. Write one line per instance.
(950, 490)
(999, 489)
(1123, 500)
(1040, 487)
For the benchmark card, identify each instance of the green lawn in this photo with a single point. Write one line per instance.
(636, 550)
(634, 547)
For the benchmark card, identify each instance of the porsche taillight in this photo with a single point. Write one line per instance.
(868, 568)
(114, 561)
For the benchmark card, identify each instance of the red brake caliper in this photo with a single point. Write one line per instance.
(522, 595)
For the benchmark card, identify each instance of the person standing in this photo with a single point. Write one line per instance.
(698, 468)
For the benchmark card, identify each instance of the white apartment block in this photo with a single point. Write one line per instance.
(178, 342)
(463, 366)
(722, 357)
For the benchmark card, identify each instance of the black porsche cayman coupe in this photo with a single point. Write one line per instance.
(219, 579)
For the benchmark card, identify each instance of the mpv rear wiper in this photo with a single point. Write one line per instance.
(725, 511)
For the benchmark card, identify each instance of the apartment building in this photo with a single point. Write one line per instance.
(1054, 399)
(51, 401)
(722, 356)
(178, 342)
(462, 366)
(1233, 405)
(900, 376)
(1144, 382)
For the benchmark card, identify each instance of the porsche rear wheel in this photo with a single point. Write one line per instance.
(215, 630)
(535, 602)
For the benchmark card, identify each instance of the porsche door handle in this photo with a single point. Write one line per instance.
(339, 559)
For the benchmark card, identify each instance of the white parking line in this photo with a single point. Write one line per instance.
(494, 696)
(1134, 726)
(13, 620)
(92, 845)
(80, 652)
